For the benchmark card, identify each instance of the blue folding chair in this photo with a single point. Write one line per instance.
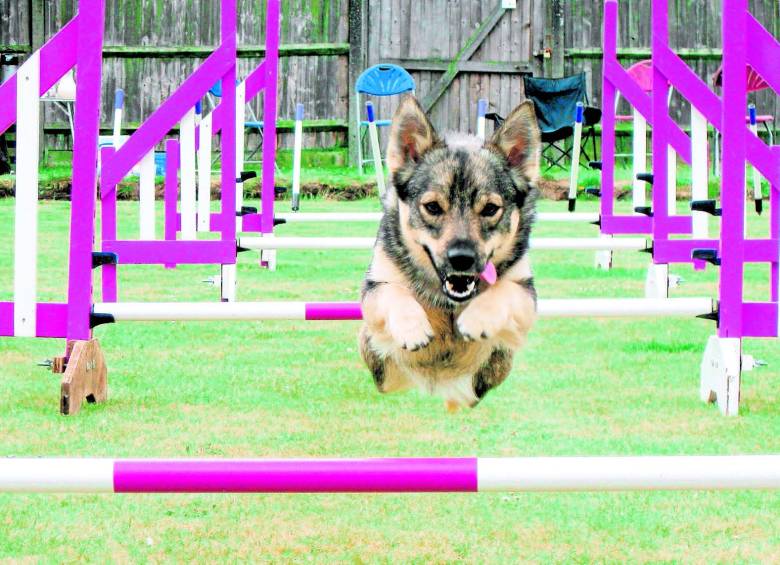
(379, 80)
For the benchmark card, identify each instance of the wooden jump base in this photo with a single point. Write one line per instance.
(468, 474)
(374, 217)
(248, 311)
(546, 243)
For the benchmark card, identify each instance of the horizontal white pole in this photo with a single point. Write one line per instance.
(550, 308)
(567, 217)
(629, 473)
(56, 475)
(623, 307)
(548, 243)
(302, 217)
(260, 243)
(306, 217)
(194, 311)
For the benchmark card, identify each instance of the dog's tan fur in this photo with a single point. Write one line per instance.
(409, 341)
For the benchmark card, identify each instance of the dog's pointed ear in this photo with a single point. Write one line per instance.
(519, 140)
(411, 134)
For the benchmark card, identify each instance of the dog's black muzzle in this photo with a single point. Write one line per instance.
(460, 276)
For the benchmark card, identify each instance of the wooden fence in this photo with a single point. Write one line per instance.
(457, 51)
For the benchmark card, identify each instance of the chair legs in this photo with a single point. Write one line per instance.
(561, 152)
(257, 148)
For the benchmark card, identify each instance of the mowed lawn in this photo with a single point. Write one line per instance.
(299, 389)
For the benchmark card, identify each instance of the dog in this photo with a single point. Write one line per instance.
(449, 295)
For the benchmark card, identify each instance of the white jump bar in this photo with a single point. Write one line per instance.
(623, 307)
(549, 308)
(547, 243)
(305, 217)
(678, 472)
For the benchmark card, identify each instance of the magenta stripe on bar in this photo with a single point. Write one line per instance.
(626, 225)
(313, 475)
(333, 311)
(137, 252)
(51, 319)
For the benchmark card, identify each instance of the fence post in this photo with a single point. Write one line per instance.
(554, 40)
(355, 67)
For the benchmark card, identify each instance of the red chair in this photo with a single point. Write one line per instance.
(642, 74)
(754, 84)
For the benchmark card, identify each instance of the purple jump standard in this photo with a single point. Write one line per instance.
(466, 474)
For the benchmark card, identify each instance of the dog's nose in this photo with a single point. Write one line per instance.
(462, 257)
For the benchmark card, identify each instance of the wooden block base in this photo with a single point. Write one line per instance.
(84, 375)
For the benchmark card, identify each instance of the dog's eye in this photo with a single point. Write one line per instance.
(489, 210)
(433, 208)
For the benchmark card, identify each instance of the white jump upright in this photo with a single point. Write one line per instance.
(119, 105)
(482, 104)
(575, 156)
(187, 148)
(26, 208)
(146, 197)
(638, 159)
(240, 145)
(297, 146)
(373, 136)
(204, 174)
(699, 180)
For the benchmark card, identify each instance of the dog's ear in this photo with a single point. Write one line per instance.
(519, 140)
(411, 135)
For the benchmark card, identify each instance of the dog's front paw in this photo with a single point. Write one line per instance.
(481, 320)
(409, 327)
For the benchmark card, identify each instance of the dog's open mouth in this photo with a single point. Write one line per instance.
(459, 287)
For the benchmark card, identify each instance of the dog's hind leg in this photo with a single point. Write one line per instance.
(493, 372)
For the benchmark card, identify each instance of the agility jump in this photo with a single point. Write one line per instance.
(80, 43)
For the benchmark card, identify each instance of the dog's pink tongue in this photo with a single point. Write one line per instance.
(489, 275)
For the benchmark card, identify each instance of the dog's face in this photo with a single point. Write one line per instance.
(461, 201)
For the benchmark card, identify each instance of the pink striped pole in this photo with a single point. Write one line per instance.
(465, 474)
(301, 475)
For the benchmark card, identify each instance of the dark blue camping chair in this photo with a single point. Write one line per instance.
(379, 80)
(556, 101)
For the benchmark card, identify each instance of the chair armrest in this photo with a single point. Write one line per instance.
(495, 118)
(592, 115)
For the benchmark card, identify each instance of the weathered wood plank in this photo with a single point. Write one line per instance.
(468, 49)
(177, 51)
(500, 67)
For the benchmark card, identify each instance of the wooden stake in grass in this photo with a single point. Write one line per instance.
(85, 375)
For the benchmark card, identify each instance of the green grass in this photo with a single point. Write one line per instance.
(299, 389)
(47, 175)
